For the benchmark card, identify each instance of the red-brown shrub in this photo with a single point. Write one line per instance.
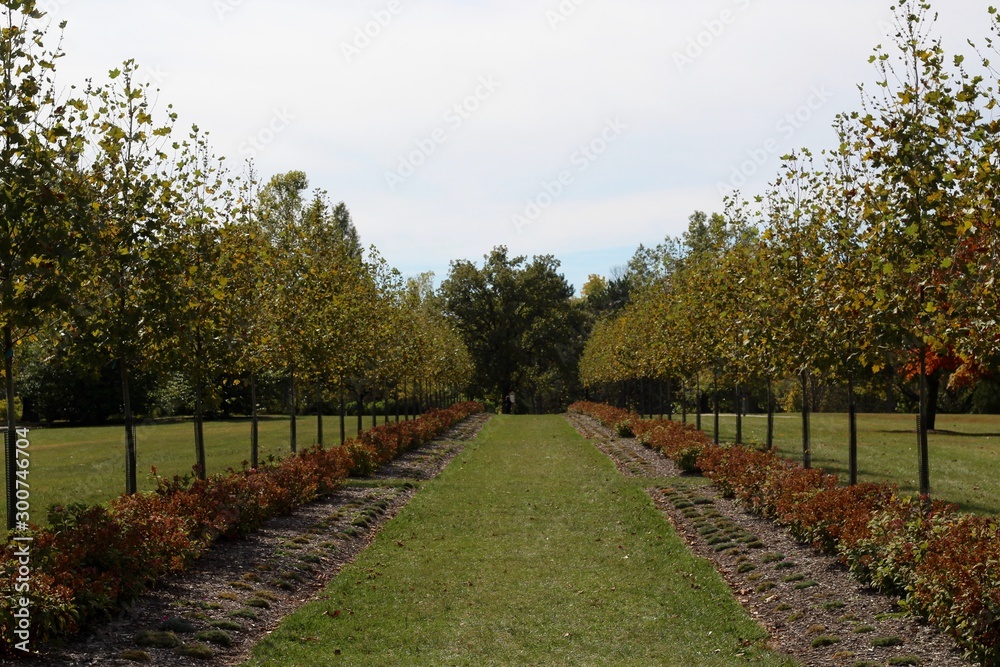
(93, 559)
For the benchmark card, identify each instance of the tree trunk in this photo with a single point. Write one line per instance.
(360, 410)
(254, 423)
(852, 414)
(131, 484)
(199, 430)
(770, 414)
(739, 415)
(319, 413)
(293, 433)
(684, 406)
(670, 400)
(922, 443)
(715, 388)
(343, 416)
(10, 436)
(395, 401)
(933, 394)
(806, 445)
(698, 400)
(374, 406)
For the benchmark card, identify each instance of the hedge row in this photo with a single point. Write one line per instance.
(92, 560)
(942, 563)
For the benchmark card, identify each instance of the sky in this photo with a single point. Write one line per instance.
(573, 128)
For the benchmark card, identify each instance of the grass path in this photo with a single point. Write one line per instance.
(530, 549)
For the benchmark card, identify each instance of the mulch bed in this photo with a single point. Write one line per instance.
(238, 592)
(813, 608)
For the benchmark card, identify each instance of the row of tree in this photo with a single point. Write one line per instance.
(882, 253)
(124, 242)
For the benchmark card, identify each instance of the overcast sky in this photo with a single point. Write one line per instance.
(577, 128)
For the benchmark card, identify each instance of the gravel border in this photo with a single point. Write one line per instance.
(813, 608)
(257, 582)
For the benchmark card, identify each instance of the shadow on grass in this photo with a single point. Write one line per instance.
(957, 434)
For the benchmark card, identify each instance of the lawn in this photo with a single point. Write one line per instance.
(88, 464)
(530, 549)
(965, 451)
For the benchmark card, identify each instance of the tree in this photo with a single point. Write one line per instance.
(191, 254)
(132, 204)
(44, 217)
(510, 314)
(245, 258)
(281, 211)
(917, 133)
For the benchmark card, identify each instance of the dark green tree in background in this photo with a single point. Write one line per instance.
(520, 324)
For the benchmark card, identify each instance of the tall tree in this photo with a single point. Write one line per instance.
(133, 201)
(191, 254)
(44, 216)
(510, 314)
(917, 134)
(245, 258)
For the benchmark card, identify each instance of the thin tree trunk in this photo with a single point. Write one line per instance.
(385, 402)
(806, 444)
(922, 442)
(738, 396)
(684, 407)
(343, 416)
(933, 393)
(319, 412)
(374, 407)
(670, 400)
(715, 390)
(293, 433)
(395, 401)
(254, 423)
(199, 430)
(131, 484)
(698, 400)
(852, 414)
(660, 383)
(770, 414)
(360, 410)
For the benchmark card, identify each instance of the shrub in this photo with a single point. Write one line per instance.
(944, 564)
(94, 559)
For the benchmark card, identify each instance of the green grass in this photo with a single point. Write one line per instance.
(530, 549)
(965, 451)
(88, 464)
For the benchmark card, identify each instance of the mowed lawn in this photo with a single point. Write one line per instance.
(530, 549)
(88, 464)
(964, 452)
